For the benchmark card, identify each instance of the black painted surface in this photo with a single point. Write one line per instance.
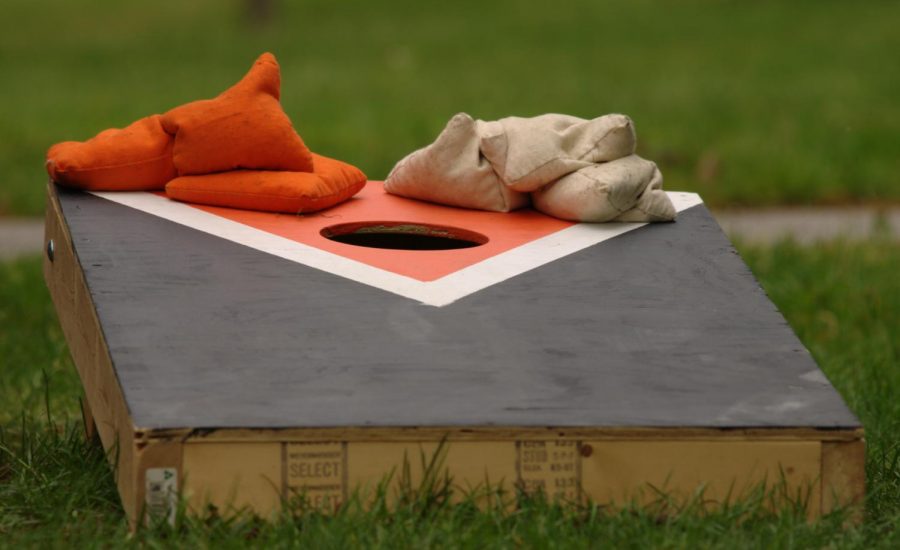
(663, 326)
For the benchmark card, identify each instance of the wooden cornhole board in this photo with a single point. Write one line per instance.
(241, 358)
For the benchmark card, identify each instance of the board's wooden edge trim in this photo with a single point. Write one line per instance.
(844, 477)
(87, 346)
(259, 475)
(496, 433)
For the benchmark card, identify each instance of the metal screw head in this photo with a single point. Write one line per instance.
(50, 249)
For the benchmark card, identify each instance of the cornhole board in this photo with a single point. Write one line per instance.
(241, 358)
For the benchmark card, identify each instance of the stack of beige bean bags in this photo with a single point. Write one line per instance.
(567, 167)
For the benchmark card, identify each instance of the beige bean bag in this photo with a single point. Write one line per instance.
(575, 169)
(528, 153)
(452, 171)
(628, 189)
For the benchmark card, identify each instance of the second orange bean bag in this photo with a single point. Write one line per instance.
(331, 182)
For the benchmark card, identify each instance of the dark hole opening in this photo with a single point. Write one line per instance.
(403, 236)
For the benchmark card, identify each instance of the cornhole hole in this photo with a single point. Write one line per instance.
(241, 358)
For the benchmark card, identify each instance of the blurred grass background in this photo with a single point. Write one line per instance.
(749, 103)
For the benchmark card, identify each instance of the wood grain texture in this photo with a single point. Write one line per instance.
(87, 418)
(724, 471)
(844, 476)
(262, 475)
(662, 327)
(105, 404)
(234, 476)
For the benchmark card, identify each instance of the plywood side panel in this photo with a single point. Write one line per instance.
(844, 476)
(261, 475)
(472, 466)
(625, 471)
(232, 477)
(78, 319)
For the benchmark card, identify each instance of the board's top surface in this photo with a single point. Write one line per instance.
(662, 326)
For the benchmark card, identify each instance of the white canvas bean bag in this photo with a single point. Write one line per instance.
(628, 189)
(528, 153)
(575, 169)
(452, 171)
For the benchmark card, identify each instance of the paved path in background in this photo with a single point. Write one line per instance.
(809, 225)
(20, 236)
(23, 236)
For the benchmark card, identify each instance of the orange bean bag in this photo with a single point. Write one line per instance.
(331, 182)
(238, 150)
(135, 158)
(243, 128)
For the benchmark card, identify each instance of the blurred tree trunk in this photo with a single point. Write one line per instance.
(259, 13)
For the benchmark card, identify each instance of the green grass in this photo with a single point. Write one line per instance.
(33, 352)
(843, 300)
(747, 102)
